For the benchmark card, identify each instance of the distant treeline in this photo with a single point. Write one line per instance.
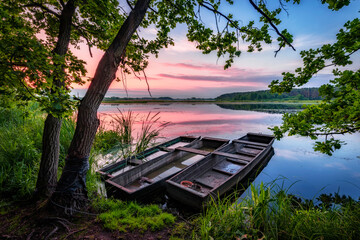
(145, 99)
(295, 94)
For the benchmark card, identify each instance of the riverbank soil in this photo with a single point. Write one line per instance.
(27, 220)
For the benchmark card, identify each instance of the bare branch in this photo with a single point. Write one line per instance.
(131, 7)
(153, 10)
(277, 51)
(273, 26)
(147, 83)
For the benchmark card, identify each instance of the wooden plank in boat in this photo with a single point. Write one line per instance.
(165, 149)
(231, 155)
(135, 161)
(221, 171)
(212, 179)
(236, 161)
(193, 150)
(251, 143)
(254, 147)
(247, 153)
(216, 139)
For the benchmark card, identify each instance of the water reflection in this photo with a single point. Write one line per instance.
(294, 159)
(264, 107)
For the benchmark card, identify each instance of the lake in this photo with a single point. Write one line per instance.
(294, 164)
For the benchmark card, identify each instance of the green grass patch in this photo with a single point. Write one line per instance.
(273, 214)
(125, 216)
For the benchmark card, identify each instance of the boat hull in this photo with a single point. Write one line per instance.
(219, 172)
(141, 182)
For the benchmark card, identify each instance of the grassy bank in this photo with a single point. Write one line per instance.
(270, 213)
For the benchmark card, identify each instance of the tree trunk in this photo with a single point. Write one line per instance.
(71, 191)
(47, 177)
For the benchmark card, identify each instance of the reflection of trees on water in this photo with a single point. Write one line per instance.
(264, 107)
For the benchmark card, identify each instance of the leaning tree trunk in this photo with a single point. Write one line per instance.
(47, 177)
(71, 193)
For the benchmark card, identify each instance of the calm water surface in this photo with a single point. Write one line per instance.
(294, 160)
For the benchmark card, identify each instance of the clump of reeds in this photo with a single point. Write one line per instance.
(121, 138)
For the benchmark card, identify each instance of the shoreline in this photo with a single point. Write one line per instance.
(208, 102)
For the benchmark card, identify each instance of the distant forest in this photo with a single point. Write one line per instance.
(295, 94)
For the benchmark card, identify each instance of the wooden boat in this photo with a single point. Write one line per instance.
(123, 165)
(221, 171)
(140, 182)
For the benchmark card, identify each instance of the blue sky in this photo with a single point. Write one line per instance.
(183, 71)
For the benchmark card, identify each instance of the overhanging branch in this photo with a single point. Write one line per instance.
(273, 26)
(38, 5)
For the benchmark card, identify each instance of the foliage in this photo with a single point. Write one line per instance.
(339, 111)
(265, 95)
(28, 65)
(270, 213)
(124, 216)
(20, 146)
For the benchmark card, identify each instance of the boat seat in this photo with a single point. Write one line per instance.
(250, 143)
(238, 161)
(203, 184)
(222, 171)
(193, 150)
(231, 155)
(247, 153)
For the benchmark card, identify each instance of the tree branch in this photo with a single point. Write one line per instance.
(212, 9)
(82, 33)
(131, 7)
(62, 3)
(273, 26)
(46, 9)
(352, 130)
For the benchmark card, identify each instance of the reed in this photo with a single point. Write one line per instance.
(120, 138)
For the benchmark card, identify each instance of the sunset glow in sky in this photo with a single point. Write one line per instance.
(182, 71)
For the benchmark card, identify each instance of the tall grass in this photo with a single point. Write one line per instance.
(20, 149)
(21, 131)
(271, 213)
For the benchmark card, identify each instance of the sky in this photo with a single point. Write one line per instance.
(182, 71)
